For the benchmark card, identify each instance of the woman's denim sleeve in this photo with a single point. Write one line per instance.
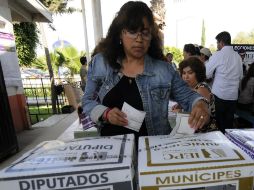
(95, 76)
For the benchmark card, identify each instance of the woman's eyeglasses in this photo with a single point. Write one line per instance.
(145, 34)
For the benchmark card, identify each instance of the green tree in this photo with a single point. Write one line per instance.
(71, 58)
(244, 38)
(158, 7)
(212, 48)
(26, 38)
(40, 62)
(177, 53)
(26, 33)
(56, 6)
(203, 36)
(159, 11)
(60, 59)
(251, 35)
(66, 57)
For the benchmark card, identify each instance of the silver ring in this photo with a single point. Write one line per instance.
(201, 117)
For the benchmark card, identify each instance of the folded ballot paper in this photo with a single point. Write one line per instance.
(135, 117)
(182, 127)
(203, 161)
(243, 138)
(171, 113)
(92, 163)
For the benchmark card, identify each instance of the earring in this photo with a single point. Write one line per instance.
(120, 42)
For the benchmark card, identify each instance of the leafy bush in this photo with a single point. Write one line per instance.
(26, 38)
(177, 53)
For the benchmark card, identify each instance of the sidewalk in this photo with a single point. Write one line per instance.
(28, 139)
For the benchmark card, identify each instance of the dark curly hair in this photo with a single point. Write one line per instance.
(129, 17)
(189, 48)
(83, 60)
(224, 37)
(196, 66)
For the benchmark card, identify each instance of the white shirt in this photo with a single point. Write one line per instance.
(227, 65)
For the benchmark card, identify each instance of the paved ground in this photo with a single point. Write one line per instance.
(30, 138)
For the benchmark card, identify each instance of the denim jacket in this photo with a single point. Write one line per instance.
(158, 83)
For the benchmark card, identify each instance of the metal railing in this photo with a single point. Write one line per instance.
(38, 97)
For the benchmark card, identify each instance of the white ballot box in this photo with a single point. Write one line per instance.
(243, 138)
(93, 163)
(207, 161)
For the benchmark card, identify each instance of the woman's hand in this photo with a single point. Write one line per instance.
(117, 117)
(199, 115)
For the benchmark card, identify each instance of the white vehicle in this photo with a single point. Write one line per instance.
(35, 73)
(25, 74)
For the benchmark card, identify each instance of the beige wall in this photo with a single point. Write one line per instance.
(8, 56)
(4, 3)
(10, 66)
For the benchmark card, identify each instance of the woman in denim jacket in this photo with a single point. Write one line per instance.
(130, 68)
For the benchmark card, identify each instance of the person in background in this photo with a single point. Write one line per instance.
(197, 49)
(227, 65)
(169, 57)
(242, 53)
(189, 50)
(193, 72)
(83, 72)
(200, 46)
(246, 97)
(131, 68)
(205, 54)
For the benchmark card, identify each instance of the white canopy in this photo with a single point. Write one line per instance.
(28, 11)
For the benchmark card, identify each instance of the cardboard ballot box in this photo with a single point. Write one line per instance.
(94, 163)
(199, 161)
(243, 138)
(86, 133)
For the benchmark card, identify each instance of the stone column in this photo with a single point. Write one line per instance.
(97, 21)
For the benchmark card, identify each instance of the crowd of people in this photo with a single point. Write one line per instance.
(128, 66)
(229, 77)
